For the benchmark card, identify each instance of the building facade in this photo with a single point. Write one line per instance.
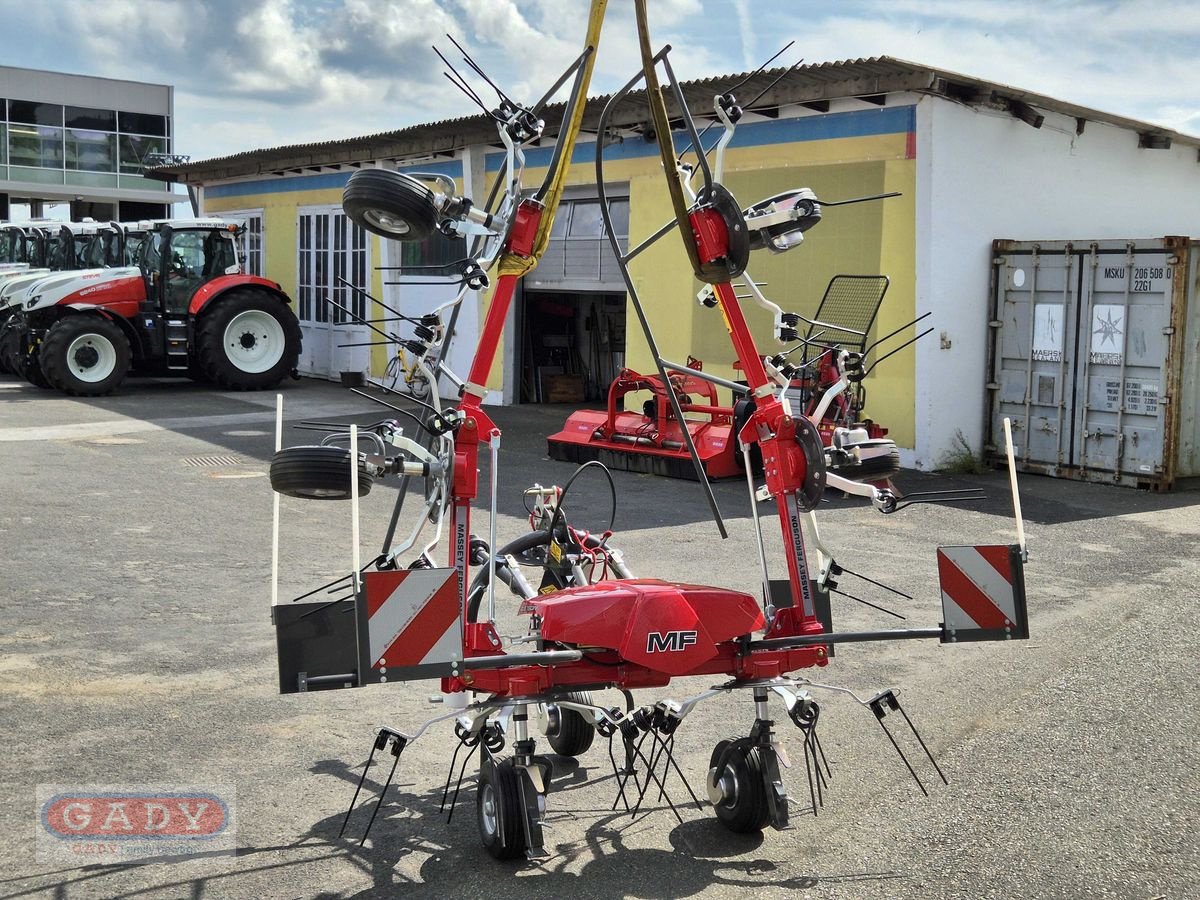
(971, 162)
(82, 142)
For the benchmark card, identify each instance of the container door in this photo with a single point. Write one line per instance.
(1034, 333)
(1126, 308)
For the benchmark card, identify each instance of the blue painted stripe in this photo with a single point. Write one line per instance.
(831, 126)
(324, 181)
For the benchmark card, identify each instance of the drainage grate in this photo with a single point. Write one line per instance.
(209, 461)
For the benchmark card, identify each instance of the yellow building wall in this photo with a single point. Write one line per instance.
(862, 239)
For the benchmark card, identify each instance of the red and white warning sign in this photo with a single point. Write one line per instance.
(983, 593)
(409, 624)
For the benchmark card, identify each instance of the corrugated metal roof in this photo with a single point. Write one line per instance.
(814, 85)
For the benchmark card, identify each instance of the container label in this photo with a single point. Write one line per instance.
(1141, 397)
(1048, 332)
(1108, 334)
(1148, 275)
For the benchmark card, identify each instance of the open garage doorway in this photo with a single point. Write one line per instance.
(572, 346)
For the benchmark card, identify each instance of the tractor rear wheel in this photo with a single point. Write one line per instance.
(85, 356)
(390, 204)
(247, 340)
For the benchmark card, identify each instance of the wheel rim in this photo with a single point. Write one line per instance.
(91, 358)
(386, 222)
(728, 786)
(489, 813)
(254, 341)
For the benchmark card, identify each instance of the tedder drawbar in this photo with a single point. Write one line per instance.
(592, 625)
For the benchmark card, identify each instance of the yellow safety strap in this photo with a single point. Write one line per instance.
(510, 263)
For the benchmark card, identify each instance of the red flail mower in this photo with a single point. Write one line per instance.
(592, 624)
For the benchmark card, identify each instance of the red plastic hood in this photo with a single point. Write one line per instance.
(663, 626)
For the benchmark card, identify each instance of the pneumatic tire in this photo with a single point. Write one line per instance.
(572, 734)
(499, 807)
(247, 340)
(736, 770)
(317, 473)
(85, 356)
(390, 204)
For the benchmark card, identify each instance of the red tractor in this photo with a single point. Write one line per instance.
(186, 309)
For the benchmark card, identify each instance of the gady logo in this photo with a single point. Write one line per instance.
(117, 816)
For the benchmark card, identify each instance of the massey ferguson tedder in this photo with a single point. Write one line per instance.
(185, 309)
(591, 624)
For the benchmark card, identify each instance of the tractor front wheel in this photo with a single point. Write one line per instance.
(247, 341)
(84, 356)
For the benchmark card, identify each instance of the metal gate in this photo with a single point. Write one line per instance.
(1087, 358)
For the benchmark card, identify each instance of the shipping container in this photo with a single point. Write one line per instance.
(1095, 356)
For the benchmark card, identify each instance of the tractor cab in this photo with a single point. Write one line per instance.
(24, 242)
(106, 247)
(178, 258)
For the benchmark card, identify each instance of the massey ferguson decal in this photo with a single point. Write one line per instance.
(797, 536)
(669, 641)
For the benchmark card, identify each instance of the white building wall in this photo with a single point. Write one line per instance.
(982, 175)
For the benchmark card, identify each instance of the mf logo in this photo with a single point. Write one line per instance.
(667, 641)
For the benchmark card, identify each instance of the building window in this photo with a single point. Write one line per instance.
(250, 247)
(135, 149)
(35, 145)
(435, 250)
(28, 112)
(91, 119)
(91, 151)
(142, 123)
(331, 248)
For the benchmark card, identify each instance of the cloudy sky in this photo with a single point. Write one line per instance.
(261, 73)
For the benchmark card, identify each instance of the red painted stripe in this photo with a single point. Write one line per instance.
(997, 557)
(433, 620)
(968, 597)
(380, 586)
(910, 145)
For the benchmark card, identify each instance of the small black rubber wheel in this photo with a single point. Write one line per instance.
(316, 473)
(85, 356)
(570, 733)
(882, 464)
(390, 204)
(247, 340)
(499, 809)
(742, 807)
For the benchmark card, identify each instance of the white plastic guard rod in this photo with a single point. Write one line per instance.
(275, 514)
(1016, 494)
(354, 554)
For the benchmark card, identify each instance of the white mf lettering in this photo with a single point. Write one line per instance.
(669, 641)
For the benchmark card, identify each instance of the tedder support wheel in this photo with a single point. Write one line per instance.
(85, 356)
(737, 788)
(247, 340)
(317, 473)
(569, 732)
(390, 204)
(500, 807)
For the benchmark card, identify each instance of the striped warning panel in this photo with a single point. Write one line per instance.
(983, 593)
(409, 625)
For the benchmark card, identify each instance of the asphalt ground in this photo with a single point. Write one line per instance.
(136, 647)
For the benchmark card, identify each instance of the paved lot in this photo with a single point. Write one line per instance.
(136, 648)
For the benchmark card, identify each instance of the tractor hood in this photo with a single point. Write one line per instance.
(13, 285)
(84, 286)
